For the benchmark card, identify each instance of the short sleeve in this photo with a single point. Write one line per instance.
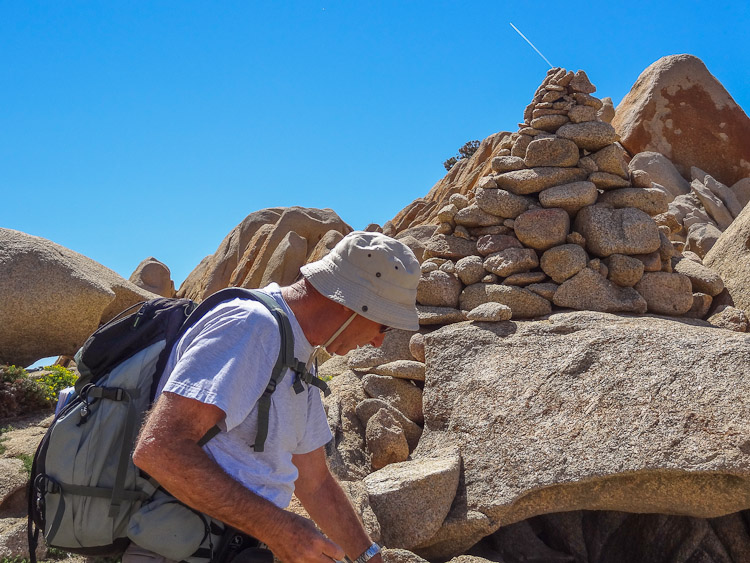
(225, 360)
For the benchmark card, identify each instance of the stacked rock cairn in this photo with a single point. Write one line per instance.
(560, 221)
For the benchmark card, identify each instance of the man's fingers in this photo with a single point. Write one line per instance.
(330, 549)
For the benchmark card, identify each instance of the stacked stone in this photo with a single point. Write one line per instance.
(387, 401)
(698, 211)
(559, 221)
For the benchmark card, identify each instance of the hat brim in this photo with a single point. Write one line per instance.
(325, 278)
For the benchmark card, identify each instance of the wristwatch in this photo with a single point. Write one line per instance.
(369, 553)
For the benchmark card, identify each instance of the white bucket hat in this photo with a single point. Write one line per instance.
(371, 274)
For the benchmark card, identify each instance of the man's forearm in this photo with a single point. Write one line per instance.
(332, 511)
(167, 450)
(191, 476)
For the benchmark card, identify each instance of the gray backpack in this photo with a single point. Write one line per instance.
(86, 496)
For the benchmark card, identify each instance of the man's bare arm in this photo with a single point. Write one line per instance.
(328, 505)
(167, 449)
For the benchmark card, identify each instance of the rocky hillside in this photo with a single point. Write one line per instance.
(578, 390)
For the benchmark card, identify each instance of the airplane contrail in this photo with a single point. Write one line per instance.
(532, 45)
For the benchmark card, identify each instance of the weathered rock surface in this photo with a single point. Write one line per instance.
(617, 231)
(541, 229)
(400, 556)
(412, 498)
(450, 247)
(54, 298)
(742, 191)
(589, 290)
(551, 151)
(661, 171)
(154, 276)
(712, 204)
(502, 203)
(666, 293)
(701, 237)
(369, 407)
(532, 180)
(395, 347)
(730, 258)
(570, 197)
(401, 394)
(678, 108)
(525, 304)
(346, 453)
(254, 253)
(612, 159)
(624, 270)
(704, 279)
(439, 315)
(401, 369)
(649, 200)
(439, 289)
(490, 312)
(730, 318)
(563, 262)
(724, 193)
(386, 440)
(488, 244)
(502, 164)
(590, 135)
(613, 413)
(470, 269)
(511, 261)
(474, 216)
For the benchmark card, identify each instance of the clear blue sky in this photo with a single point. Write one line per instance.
(147, 128)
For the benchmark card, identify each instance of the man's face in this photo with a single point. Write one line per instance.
(361, 331)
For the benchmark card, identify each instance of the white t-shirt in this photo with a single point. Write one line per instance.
(226, 359)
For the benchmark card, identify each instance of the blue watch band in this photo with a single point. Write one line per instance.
(369, 553)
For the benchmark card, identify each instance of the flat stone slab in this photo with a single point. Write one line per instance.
(590, 135)
(524, 304)
(439, 315)
(533, 180)
(588, 411)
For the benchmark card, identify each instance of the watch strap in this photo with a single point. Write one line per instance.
(368, 554)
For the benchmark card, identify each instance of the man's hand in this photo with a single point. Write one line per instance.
(300, 541)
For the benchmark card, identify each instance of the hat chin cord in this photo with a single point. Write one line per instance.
(316, 350)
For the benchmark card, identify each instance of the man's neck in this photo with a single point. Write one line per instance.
(318, 316)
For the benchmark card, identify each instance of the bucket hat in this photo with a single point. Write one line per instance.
(371, 274)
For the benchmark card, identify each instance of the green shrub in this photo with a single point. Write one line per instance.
(466, 151)
(58, 379)
(19, 394)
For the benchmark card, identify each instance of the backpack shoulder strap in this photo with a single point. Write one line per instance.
(285, 359)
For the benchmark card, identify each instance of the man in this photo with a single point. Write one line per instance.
(219, 369)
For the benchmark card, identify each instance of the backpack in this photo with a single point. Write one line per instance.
(85, 494)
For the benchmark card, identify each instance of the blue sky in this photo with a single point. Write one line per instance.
(136, 129)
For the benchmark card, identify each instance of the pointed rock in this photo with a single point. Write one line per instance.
(678, 108)
(411, 499)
